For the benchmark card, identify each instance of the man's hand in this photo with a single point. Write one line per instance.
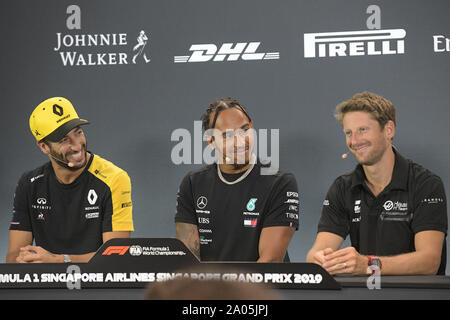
(319, 256)
(346, 260)
(35, 254)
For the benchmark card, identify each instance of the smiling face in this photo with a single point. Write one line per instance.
(365, 138)
(70, 149)
(233, 136)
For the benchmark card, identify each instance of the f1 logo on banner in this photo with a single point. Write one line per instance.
(120, 250)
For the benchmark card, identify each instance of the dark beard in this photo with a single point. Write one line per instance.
(239, 166)
(62, 161)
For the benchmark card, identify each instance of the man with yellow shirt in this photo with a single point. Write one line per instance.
(72, 204)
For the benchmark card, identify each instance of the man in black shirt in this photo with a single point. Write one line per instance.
(229, 211)
(393, 209)
(72, 204)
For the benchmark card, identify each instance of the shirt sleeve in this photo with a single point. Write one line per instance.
(284, 205)
(430, 212)
(185, 211)
(334, 218)
(21, 215)
(121, 218)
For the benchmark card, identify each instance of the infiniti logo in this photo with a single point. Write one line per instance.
(202, 202)
(41, 201)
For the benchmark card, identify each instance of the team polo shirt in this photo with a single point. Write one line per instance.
(71, 218)
(230, 217)
(385, 225)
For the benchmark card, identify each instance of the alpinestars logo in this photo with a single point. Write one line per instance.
(245, 51)
(354, 43)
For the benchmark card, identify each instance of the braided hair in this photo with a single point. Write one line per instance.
(216, 107)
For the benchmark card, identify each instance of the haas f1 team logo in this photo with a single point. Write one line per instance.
(227, 52)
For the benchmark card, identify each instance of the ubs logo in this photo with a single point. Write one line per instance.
(202, 202)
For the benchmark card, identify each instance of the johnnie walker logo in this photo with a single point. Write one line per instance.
(99, 49)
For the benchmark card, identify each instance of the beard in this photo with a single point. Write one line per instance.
(372, 157)
(237, 159)
(61, 159)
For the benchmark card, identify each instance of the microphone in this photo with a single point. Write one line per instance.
(70, 164)
(227, 158)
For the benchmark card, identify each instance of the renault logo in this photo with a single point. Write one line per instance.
(92, 197)
(58, 110)
(202, 202)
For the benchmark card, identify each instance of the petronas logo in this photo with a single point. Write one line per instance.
(251, 204)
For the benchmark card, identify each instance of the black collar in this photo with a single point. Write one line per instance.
(399, 175)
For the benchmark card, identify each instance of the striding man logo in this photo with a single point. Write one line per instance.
(138, 49)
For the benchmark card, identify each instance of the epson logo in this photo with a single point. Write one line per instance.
(354, 43)
(227, 52)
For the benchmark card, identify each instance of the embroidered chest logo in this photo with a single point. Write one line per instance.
(92, 197)
(251, 217)
(396, 206)
(202, 202)
(43, 207)
(251, 204)
(395, 211)
(92, 211)
(357, 210)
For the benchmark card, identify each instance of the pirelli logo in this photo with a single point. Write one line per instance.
(119, 250)
(354, 43)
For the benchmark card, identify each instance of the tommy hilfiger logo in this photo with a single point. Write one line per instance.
(250, 223)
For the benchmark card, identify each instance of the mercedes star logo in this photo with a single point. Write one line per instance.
(202, 202)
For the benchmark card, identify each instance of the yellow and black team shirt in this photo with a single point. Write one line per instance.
(71, 218)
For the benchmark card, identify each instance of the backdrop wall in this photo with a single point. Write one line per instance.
(287, 81)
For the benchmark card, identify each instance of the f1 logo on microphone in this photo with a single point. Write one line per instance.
(120, 250)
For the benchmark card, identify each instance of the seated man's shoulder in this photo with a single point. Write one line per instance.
(106, 170)
(423, 175)
(35, 175)
(202, 172)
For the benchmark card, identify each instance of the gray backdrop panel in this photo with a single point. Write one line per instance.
(134, 108)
